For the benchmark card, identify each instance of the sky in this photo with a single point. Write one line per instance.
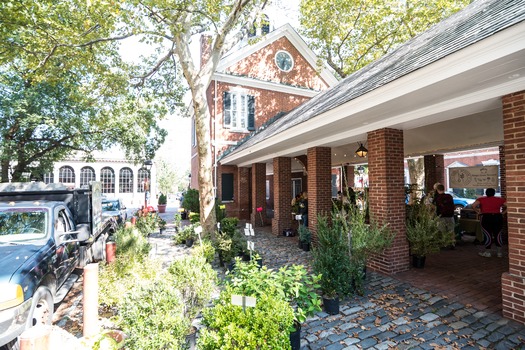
(177, 148)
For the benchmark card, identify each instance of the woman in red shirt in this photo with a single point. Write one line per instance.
(491, 210)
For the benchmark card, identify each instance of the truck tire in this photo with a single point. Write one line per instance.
(42, 308)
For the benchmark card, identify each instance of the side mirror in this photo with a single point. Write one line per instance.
(82, 234)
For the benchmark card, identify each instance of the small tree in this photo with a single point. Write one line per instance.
(191, 200)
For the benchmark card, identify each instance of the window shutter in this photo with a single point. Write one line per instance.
(227, 110)
(251, 112)
(227, 187)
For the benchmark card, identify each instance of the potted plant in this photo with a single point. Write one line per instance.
(366, 238)
(424, 234)
(305, 238)
(331, 259)
(162, 203)
(162, 225)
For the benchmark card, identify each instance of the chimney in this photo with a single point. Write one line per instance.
(205, 48)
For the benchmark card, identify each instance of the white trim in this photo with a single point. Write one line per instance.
(296, 40)
(264, 85)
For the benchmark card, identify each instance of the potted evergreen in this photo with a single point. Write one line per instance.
(331, 259)
(305, 238)
(162, 203)
(424, 234)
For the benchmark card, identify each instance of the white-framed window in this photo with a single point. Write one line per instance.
(66, 174)
(107, 177)
(297, 187)
(87, 174)
(125, 180)
(239, 111)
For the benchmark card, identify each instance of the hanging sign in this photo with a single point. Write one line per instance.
(473, 177)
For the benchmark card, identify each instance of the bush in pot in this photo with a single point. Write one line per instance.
(331, 259)
(423, 232)
(305, 237)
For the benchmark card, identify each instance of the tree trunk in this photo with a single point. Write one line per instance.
(416, 172)
(205, 161)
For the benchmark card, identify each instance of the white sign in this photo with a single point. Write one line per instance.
(250, 245)
(241, 300)
(473, 177)
(298, 217)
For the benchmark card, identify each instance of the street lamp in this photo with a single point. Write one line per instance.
(148, 164)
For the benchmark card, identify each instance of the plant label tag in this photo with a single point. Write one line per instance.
(250, 245)
(198, 229)
(246, 232)
(219, 225)
(298, 217)
(244, 301)
(248, 226)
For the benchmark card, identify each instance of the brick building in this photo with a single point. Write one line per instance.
(458, 86)
(256, 83)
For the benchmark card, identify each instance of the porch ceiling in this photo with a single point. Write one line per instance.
(449, 105)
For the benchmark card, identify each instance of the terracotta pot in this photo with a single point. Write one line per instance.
(111, 252)
(161, 208)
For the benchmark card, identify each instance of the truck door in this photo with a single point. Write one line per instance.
(66, 253)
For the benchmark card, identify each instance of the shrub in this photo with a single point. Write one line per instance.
(196, 280)
(131, 242)
(191, 201)
(146, 222)
(206, 250)
(163, 199)
(123, 275)
(229, 226)
(195, 218)
(265, 326)
(153, 317)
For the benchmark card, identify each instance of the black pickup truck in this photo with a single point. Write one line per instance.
(46, 232)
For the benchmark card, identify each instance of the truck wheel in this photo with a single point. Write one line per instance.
(42, 309)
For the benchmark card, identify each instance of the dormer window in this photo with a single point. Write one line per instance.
(239, 111)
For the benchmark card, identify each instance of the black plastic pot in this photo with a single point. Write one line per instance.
(295, 337)
(418, 261)
(189, 242)
(305, 247)
(331, 306)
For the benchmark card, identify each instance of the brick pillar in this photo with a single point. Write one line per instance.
(243, 193)
(348, 177)
(513, 282)
(258, 194)
(387, 196)
(282, 189)
(434, 171)
(319, 185)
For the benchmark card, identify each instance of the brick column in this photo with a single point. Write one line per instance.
(513, 282)
(243, 193)
(282, 189)
(434, 171)
(258, 194)
(386, 195)
(319, 185)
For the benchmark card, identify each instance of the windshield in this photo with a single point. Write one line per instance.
(110, 205)
(22, 224)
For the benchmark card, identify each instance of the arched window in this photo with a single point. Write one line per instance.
(107, 177)
(49, 178)
(87, 174)
(143, 179)
(66, 175)
(126, 180)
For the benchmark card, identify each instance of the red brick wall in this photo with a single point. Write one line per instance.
(513, 282)
(434, 171)
(258, 194)
(243, 198)
(319, 185)
(348, 177)
(282, 182)
(302, 73)
(386, 195)
(502, 172)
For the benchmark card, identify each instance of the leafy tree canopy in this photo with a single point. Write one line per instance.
(349, 34)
